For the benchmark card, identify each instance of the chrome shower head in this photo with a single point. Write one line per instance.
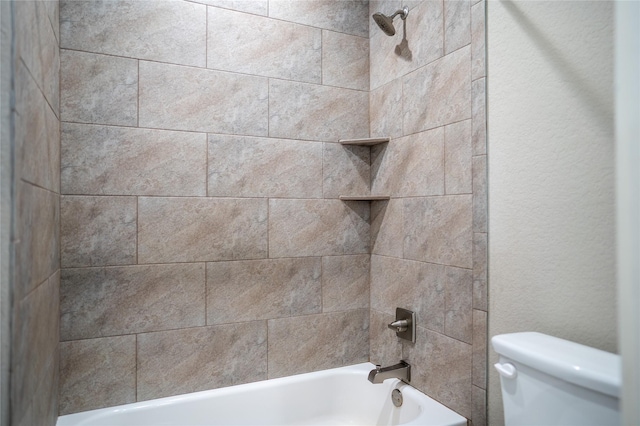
(386, 22)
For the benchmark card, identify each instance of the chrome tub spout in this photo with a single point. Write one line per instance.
(401, 371)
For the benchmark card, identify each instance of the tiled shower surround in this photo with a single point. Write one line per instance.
(203, 243)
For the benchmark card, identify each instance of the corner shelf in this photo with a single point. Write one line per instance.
(364, 141)
(365, 198)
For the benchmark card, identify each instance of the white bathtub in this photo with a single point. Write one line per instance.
(341, 396)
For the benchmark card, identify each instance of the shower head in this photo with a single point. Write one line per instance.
(386, 22)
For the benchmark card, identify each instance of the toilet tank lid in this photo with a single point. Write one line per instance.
(575, 363)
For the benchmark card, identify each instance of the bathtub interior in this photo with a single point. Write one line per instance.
(341, 396)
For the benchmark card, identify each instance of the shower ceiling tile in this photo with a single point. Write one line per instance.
(97, 231)
(188, 229)
(99, 302)
(438, 229)
(110, 160)
(317, 227)
(242, 166)
(98, 89)
(257, 45)
(439, 93)
(200, 100)
(167, 31)
(345, 16)
(313, 112)
(262, 289)
(194, 359)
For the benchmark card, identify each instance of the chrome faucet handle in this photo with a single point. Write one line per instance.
(399, 325)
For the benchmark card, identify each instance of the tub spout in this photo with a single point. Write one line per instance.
(400, 371)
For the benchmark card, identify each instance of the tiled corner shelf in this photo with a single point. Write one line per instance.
(364, 141)
(365, 198)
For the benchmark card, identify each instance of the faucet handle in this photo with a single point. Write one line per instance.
(399, 325)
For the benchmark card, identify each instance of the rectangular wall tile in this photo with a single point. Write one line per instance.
(98, 302)
(479, 414)
(386, 225)
(109, 160)
(458, 320)
(457, 24)
(345, 282)
(346, 16)
(194, 359)
(346, 170)
(314, 112)
(251, 44)
(185, 98)
(167, 31)
(478, 113)
(478, 50)
(37, 134)
(480, 193)
(441, 368)
(201, 229)
(97, 373)
(417, 286)
(438, 229)
(480, 349)
(317, 228)
(480, 271)
(37, 47)
(256, 7)
(418, 41)
(35, 345)
(317, 342)
(261, 167)
(457, 161)
(345, 60)
(385, 110)
(439, 93)
(38, 237)
(262, 289)
(98, 89)
(385, 347)
(98, 231)
(409, 166)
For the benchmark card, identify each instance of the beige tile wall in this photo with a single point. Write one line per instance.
(201, 228)
(429, 242)
(200, 177)
(35, 234)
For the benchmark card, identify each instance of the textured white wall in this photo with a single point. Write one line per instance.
(551, 173)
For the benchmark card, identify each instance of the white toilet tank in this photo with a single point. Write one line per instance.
(550, 381)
